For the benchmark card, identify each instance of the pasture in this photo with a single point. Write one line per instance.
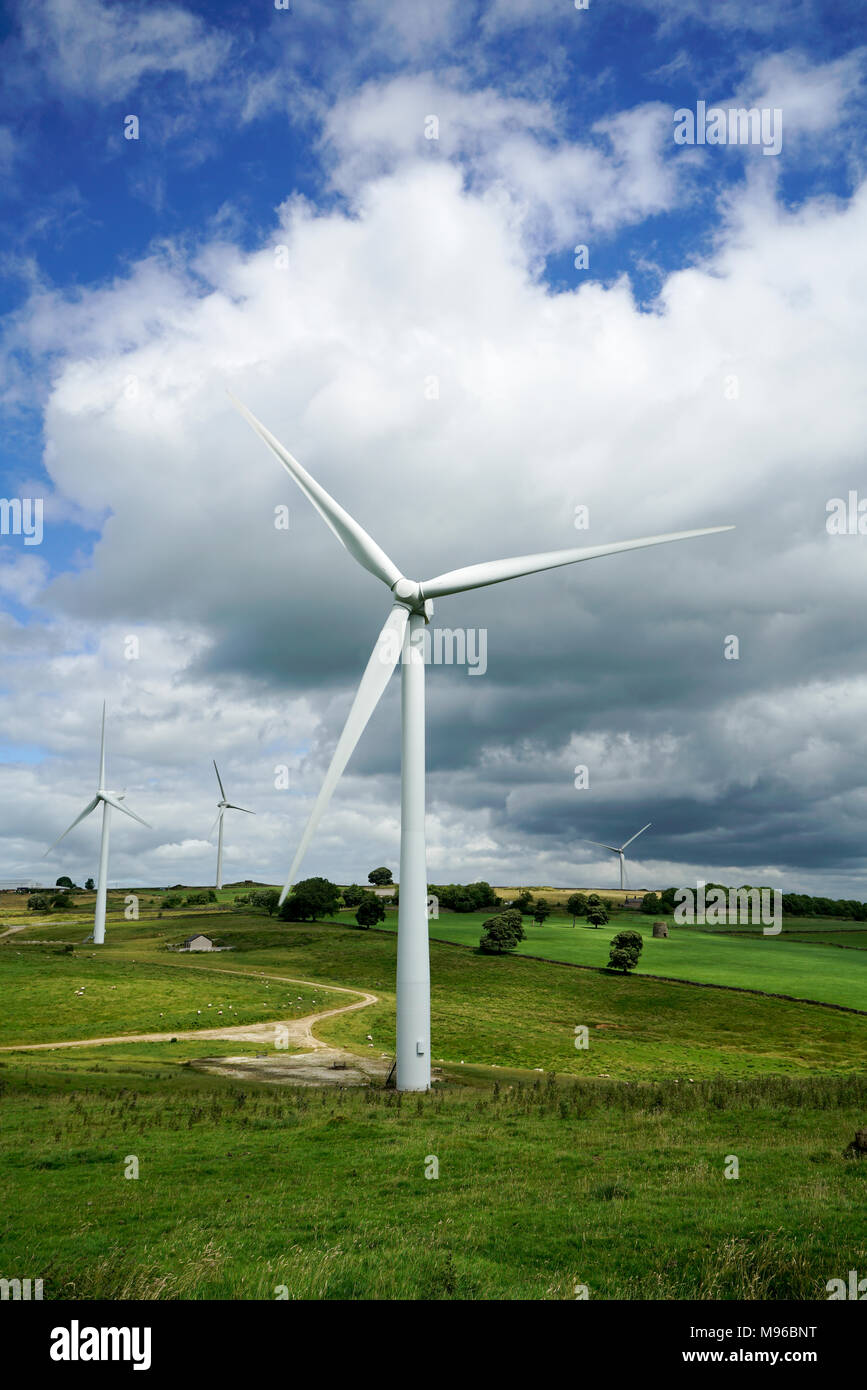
(557, 1165)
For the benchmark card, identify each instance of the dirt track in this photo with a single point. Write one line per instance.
(316, 1065)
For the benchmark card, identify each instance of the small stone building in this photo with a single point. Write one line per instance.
(199, 943)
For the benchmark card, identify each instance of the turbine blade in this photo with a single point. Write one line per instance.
(214, 826)
(231, 807)
(638, 832)
(91, 806)
(495, 571)
(347, 530)
(599, 845)
(219, 779)
(119, 806)
(383, 659)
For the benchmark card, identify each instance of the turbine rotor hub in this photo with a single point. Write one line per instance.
(409, 592)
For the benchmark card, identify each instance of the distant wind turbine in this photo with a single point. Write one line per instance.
(401, 641)
(109, 800)
(615, 850)
(224, 806)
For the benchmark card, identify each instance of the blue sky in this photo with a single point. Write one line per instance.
(146, 261)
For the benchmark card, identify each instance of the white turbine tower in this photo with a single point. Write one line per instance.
(401, 640)
(224, 806)
(109, 800)
(615, 850)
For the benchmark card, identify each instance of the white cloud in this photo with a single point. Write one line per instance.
(558, 190)
(252, 639)
(88, 48)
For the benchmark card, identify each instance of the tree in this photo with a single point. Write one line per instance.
(502, 933)
(541, 910)
(38, 902)
(523, 902)
(595, 913)
(379, 877)
(577, 905)
(268, 898)
(63, 900)
(651, 905)
(310, 899)
(370, 911)
(64, 882)
(626, 947)
(90, 885)
(353, 895)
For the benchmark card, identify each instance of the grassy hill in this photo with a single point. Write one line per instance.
(557, 1166)
(805, 966)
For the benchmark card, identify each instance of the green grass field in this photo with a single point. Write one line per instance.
(541, 1187)
(801, 968)
(558, 1165)
(132, 996)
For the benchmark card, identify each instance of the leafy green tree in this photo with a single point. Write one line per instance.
(370, 911)
(172, 900)
(577, 905)
(595, 913)
(64, 882)
(651, 905)
(541, 910)
(379, 877)
(465, 897)
(310, 899)
(626, 947)
(90, 885)
(502, 933)
(63, 900)
(353, 895)
(268, 898)
(523, 903)
(38, 902)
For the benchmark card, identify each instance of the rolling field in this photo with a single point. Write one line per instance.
(131, 996)
(601, 1166)
(515, 1012)
(801, 968)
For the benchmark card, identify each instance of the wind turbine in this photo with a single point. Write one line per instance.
(224, 806)
(615, 850)
(401, 639)
(109, 800)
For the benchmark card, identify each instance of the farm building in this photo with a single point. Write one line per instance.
(199, 943)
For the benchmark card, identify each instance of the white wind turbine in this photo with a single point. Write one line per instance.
(224, 806)
(401, 639)
(109, 800)
(615, 850)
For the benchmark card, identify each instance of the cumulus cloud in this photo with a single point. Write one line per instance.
(89, 48)
(404, 345)
(512, 148)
